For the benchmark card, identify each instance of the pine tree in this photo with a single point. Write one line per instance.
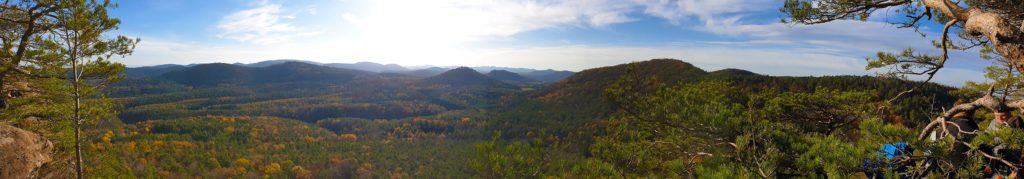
(62, 54)
(83, 48)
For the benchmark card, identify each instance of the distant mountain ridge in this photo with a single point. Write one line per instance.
(369, 66)
(545, 76)
(222, 73)
(510, 77)
(152, 70)
(277, 62)
(465, 77)
(426, 72)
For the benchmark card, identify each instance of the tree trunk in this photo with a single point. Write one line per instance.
(3, 91)
(1007, 40)
(75, 84)
(78, 151)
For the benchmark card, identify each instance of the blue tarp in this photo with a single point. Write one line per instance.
(893, 150)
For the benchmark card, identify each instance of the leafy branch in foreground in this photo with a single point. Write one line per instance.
(63, 55)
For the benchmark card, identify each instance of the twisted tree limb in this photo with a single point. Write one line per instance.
(1007, 40)
(988, 102)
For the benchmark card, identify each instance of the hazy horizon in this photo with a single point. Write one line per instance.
(560, 35)
(301, 60)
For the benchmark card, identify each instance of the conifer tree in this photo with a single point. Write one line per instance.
(62, 50)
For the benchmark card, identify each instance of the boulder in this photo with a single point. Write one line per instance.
(22, 153)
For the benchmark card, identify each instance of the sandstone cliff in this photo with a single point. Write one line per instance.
(22, 153)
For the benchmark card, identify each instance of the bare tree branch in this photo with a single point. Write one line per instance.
(936, 67)
(988, 102)
(915, 19)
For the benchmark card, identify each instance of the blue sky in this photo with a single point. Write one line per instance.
(544, 34)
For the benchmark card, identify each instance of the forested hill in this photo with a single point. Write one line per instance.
(590, 84)
(303, 91)
(464, 77)
(580, 98)
(510, 77)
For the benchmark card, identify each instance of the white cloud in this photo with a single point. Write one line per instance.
(706, 10)
(456, 20)
(261, 25)
(488, 19)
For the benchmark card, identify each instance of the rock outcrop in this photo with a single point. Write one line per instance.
(22, 153)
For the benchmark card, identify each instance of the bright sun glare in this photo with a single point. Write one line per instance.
(436, 30)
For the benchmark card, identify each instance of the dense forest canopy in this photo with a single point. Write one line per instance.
(478, 126)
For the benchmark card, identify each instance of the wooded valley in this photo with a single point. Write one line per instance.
(462, 123)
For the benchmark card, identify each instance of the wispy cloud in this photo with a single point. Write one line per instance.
(263, 24)
(677, 11)
(479, 20)
(476, 20)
